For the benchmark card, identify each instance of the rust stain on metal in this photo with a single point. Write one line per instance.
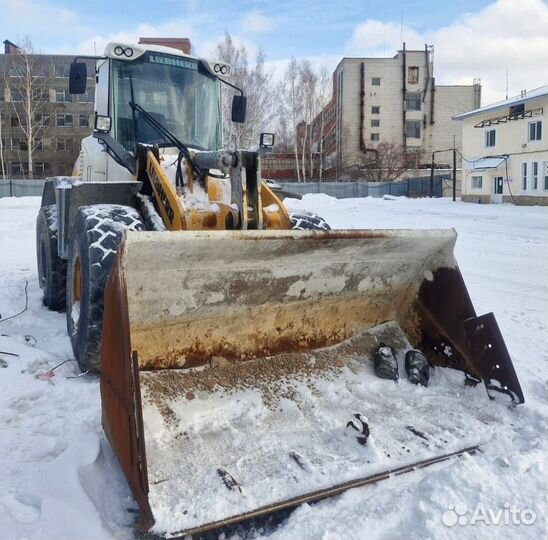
(260, 331)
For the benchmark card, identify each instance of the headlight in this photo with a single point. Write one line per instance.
(128, 52)
(118, 50)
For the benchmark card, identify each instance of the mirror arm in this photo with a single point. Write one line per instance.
(232, 86)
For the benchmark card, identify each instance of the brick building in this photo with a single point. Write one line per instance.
(60, 119)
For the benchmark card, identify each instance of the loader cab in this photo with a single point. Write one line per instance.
(181, 92)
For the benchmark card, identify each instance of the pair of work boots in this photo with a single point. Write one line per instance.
(416, 365)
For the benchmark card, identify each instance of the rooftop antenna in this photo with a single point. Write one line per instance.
(401, 28)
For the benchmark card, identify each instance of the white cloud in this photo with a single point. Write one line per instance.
(256, 23)
(505, 34)
(28, 17)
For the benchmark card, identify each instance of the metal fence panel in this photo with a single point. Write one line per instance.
(412, 187)
(21, 188)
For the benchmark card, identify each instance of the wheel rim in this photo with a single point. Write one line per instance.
(76, 294)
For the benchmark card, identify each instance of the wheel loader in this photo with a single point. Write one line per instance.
(233, 339)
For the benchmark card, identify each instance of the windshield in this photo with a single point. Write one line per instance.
(178, 92)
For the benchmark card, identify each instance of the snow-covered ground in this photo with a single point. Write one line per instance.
(59, 479)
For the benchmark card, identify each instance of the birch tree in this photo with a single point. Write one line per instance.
(2, 162)
(324, 97)
(255, 80)
(27, 85)
(308, 81)
(291, 94)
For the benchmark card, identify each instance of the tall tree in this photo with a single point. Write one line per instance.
(27, 85)
(254, 78)
(308, 81)
(2, 162)
(291, 94)
(388, 162)
(324, 97)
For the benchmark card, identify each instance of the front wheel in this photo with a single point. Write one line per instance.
(98, 231)
(52, 270)
(307, 221)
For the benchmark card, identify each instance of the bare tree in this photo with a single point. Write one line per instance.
(324, 98)
(308, 81)
(255, 81)
(291, 94)
(2, 162)
(27, 85)
(388, 163)
(304, 94)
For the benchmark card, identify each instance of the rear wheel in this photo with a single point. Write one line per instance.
(52, 270)
(98, 231)
(308, 221)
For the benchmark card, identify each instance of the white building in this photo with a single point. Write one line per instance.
(392, 100)
(507, 150)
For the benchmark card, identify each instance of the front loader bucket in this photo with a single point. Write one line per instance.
(232, 362)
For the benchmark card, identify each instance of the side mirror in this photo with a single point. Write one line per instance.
(239, 106)
(266, 140)
(78, 78)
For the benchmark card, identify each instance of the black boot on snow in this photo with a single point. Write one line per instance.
(417, 367)
(386, 365)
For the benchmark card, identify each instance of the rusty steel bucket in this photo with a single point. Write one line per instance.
(212, 340)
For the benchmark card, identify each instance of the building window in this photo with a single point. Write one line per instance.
(62, 72)
(413, 101)
(375, 122)
(376, 81)
(413, 74)
(534, 170)
(546, 176)
(41, 119)
(83, 121)
(477, 182)
(413, 129)
(19, 167)
(41, 96)
(375, 109)
(490, 138)
(19, 144)
(524, 176)
(64, 120)
(40, 167)
(375, 137)
(87, 97)
(16, 95)
(535, 130)
(64, 145)
(62, 96)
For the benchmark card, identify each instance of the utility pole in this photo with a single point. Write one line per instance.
(454, 170)
(432, 177)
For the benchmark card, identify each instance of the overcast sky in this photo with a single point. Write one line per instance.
(472, 39)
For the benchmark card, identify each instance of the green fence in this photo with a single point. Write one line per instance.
(21, 188)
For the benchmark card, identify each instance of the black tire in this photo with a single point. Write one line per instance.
(307, 221)
(52, 270)
(150, 216)
(97, 234)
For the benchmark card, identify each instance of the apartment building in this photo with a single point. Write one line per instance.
(59, 120)
(506, 150)
(392, 100)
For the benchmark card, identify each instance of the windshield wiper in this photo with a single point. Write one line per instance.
(184, 152)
